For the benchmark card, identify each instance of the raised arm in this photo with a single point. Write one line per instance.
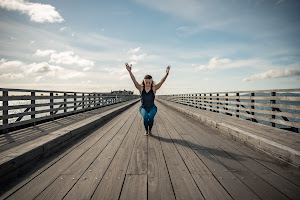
(137, 85)
(158, 85)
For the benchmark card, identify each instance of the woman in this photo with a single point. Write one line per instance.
(147, 90)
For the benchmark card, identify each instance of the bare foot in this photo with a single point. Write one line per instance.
(146, 133)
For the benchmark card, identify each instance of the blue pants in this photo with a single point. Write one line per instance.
(148, 116)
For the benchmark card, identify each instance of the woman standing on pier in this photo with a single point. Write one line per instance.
(147, 91)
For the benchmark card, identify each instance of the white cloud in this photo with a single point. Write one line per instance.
(62, 29)
(9, 64)
(274, 74)
(42, 68)
(66, 57)
(36, 11)
(31, 42)
(11, 76)
(71, 75)
(41, 53)
(86, 82)
(134, 50)
(36, 71)
(39, 78)
(69, 58)
(124, 77)
(51, 71)
(226, 63)
(115, 70)
(136, 58)
(215, 63)
(86, 69)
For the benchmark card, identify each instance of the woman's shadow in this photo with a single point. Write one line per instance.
(204, 152)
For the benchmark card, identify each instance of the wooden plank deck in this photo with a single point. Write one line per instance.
(183, 160)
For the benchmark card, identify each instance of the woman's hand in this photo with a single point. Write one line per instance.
(168, 69)
(128, 67)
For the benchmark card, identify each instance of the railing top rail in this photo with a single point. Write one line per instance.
(53, 91)
(249, 91)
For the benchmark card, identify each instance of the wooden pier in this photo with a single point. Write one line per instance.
(184, 159)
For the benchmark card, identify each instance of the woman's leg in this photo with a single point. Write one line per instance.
(145, 115)
(152, 113)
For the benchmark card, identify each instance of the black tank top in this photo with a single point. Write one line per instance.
(147, 99)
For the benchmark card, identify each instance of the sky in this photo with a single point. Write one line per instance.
(211, 46)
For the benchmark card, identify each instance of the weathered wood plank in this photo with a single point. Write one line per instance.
(30, 133)
(220, 172)
(261, 172)
(135, 183)
(290, 174)
(82, 167)
(182, 181)
(112, 181)
(138, 159)
(135, 187)
(43, 180)
(198, 170)
(159, 183)
(262, 188)
(40, 168)
(184, 159)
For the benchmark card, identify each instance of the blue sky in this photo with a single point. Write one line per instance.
(212, 46)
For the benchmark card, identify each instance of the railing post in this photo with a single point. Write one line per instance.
(5, 110)
(180, 99)
(272, 108)
(193, 100)
(252, 106)
(204, 105)
(82, 100)
(75, 99)
(51, 105)
(218, 99)
(65, 102)
(101, 101)
(200, 101)
(210, 102)
(237, 105)
(97, 100)
(33, 107)
(226, 104)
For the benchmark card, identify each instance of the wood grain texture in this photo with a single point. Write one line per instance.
(182, 160)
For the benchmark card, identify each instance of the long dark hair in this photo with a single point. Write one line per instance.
(147, 77)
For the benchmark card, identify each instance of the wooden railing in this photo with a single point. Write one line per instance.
(278, 108)
(22, 107)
